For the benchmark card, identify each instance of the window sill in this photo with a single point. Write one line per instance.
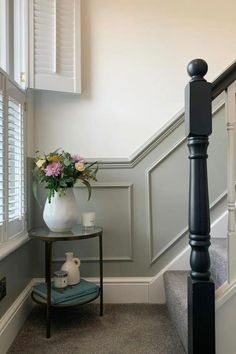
(8, 247)
(9, 78)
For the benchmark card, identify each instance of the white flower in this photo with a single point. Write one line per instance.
(40, 163)
(79, 166)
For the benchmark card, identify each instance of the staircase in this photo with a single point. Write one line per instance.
(176, 287)
(197, 312)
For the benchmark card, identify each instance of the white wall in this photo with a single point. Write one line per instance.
(134, 57)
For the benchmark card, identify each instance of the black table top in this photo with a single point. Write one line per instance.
(76, 233)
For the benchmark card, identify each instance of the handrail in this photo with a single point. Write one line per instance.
(223, 81)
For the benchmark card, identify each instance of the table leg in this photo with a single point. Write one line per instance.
(101, 274)
(48, 259)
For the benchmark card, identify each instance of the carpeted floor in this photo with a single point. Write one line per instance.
(124, 329)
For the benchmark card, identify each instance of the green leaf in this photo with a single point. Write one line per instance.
(35, 192)
(87, 184)
(67, 162)
(56, 151)
(63, 184)
(92, 164)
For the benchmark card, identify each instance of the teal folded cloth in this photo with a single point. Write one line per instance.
(70, 293)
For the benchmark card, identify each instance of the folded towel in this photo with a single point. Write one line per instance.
(70, 293)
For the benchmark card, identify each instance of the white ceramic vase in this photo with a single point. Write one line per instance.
(61, 214)
(72, 267)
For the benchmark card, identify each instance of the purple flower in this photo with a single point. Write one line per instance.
(53, 169)
(77, 158)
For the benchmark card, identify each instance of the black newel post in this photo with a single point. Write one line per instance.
(201, 290)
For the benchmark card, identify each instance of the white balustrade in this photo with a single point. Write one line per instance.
(231, 234)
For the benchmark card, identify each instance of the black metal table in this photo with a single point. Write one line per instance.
(76, 233)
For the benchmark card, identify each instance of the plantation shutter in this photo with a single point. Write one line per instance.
(2, 216)
(15, 164)
(55, 45)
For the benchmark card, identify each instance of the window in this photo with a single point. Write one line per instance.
(50, 38)
(12, 161)
(13, 39)
(3, 35)
(20, 42)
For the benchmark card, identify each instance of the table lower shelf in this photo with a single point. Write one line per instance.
(41, 301)
(59, 296)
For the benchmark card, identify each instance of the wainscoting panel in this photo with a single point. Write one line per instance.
(142, 204)
(112, 203)
(168, 218)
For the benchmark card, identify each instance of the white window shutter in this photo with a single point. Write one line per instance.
(55, 45)
(2, 214)
(15, 163)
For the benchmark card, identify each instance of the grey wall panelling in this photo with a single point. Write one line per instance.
(142, 203)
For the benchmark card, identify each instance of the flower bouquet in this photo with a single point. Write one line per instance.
(59, 171)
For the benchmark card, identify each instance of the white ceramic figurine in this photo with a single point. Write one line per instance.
(72, 267)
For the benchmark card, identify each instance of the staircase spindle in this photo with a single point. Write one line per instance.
(230, 125)
(201, 290)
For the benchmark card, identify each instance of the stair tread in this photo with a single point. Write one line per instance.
(176, 286)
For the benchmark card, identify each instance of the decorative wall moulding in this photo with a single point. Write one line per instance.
(154, 256)
(128, 236)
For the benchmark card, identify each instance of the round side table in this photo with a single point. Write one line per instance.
(48, 237)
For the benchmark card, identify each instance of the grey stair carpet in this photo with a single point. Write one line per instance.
(176, 286)
(124, 329)
(218, 254)
(176, 300)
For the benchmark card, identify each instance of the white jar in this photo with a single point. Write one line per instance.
(60, 279)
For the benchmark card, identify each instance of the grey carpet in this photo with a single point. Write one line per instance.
(176, 286)
(218, 254)
(124, 329)
(176, 300)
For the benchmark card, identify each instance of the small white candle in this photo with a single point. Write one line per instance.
(88, 219)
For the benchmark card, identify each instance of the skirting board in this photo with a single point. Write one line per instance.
(14, 318)
(121, 290)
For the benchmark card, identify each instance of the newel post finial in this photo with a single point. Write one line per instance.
(198, 119)
(197, 69)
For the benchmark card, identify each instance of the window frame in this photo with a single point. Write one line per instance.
(4, 31)
(14, 16)
(21, 43)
